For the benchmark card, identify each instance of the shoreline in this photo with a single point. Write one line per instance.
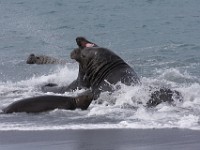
(100, 139)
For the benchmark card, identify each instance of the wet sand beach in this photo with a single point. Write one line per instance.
(102, 139)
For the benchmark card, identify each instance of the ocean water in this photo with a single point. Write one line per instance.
(159, 39)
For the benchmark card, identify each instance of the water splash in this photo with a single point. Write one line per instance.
(124, 108)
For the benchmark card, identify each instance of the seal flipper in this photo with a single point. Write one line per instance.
(51, 87)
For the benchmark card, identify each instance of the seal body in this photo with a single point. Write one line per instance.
(43, 59)
(50, 102)
(40, 104)
(101, 68)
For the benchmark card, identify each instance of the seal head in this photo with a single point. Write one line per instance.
(83, 42)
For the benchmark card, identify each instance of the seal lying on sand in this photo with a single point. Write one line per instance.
(99, 70)
(42, 59)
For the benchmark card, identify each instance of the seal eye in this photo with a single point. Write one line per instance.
(37, 57)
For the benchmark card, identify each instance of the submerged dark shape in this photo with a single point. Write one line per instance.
(42, 59)
(99, 70)
(164, 95)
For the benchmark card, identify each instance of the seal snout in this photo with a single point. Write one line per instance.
(75, 53)
(81, 39)
(83, 42)
(31, 59)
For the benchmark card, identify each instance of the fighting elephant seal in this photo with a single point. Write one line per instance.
(43, 59)
(100, 69)
(49, 102)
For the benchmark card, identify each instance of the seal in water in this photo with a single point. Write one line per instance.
(42, 59)
(50, 102)
(100, 69)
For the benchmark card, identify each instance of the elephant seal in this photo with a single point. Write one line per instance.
(100, 69)
(42, 59)
(49, 102)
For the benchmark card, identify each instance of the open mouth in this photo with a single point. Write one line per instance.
(88, 44)
(83, 43)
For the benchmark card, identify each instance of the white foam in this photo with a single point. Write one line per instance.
(124, 108)
(188, 121)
